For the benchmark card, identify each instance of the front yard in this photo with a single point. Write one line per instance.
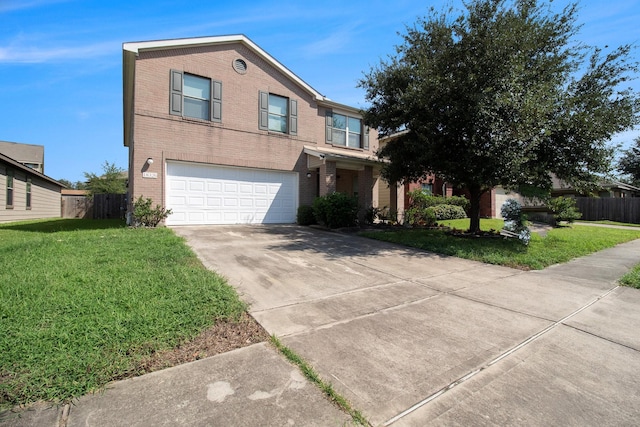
(85, 302)
(559, 245)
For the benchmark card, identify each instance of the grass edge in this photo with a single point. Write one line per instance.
(313, 376)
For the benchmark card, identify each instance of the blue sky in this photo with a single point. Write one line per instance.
(61, 60)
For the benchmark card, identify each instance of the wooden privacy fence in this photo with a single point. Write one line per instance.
(102, 206)
(107, 206)
(76, 207)
(612, 209)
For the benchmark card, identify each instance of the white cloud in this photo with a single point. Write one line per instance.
(31, 54)
(334, 42)
(11, 5)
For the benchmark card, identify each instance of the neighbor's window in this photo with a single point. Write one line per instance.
(9, 189)
(427, 188)
(195, 96)
(35, 166)
(345, 130)
(278, 113)
(28, 193)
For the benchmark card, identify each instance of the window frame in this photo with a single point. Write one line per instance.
(28, 194)
(426, 188)
(177, 96)
(280, 118)
(264, 113)
(362, 132)
(10, 188)
(186, 95)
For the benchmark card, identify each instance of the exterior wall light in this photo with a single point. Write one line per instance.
(149, 161)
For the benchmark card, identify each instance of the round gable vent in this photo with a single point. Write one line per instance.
(240, 66)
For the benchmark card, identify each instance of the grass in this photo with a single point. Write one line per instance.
(83, 302)
(632, 278)
(560, 244)
(313, 376)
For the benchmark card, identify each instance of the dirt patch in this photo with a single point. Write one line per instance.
(220, 338)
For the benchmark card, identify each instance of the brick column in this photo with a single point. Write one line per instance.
(327, 178)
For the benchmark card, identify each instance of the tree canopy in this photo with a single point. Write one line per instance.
(112, 181)
(78, 185)
(629, 163)
(499, 93)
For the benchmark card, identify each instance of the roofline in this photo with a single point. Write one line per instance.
(130, 50)
(18, 165)
(332, 104)
(330, 154)
(137, 47)
(393, 136)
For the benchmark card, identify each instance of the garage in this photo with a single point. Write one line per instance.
(200, 194)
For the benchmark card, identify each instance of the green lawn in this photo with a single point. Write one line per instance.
(632, 278)
(82, 302)
(560, 245)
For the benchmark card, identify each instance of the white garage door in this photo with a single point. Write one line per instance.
(205, 194)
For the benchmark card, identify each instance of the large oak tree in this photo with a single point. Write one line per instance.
(500, 93)
(629, 163)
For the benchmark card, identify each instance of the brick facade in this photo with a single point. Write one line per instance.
(237, 139)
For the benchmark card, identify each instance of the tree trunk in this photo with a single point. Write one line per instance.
(475, 193)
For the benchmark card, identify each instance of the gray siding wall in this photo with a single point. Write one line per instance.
(45, 197)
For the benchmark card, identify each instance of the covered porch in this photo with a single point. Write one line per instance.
(336, 170)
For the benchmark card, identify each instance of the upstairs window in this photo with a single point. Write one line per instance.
(346, 131)
(10, 189)
(195, 97)
(278, 113)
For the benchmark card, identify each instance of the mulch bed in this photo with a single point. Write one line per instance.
(220, 338)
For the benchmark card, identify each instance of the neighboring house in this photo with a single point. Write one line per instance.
(26, 193)
(28, 154)
(614, 189)
(220, 132)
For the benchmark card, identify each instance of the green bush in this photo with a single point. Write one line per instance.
(305, 215)
(425, 209)
(421, 216)
(446, 212)
(564, 209)
(336, 210)
(146, 216)
(420, 199)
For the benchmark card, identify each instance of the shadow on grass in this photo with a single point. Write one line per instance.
(57, 225)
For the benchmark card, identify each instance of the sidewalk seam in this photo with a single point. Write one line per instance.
(505, 354)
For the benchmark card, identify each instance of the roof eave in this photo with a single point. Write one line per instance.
(18, 165)
(134, 48)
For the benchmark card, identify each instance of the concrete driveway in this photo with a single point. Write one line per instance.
(413, 338)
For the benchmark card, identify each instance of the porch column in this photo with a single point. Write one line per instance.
(393, 196)
(400, 190)
(365, 187)
(327, 178)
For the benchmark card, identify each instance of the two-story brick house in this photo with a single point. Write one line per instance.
(220, 132)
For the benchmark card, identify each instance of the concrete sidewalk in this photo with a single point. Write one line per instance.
(410, 338)
(251, 386)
